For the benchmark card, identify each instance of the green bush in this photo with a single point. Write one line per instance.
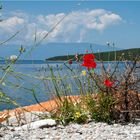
(70, 112)
(102, 108)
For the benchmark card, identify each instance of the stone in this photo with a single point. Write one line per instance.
(25, 118)
(60, 127)
(38, 124)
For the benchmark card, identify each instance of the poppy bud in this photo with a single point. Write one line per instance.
(70, 61)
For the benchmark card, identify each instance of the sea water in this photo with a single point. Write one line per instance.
(26, 85)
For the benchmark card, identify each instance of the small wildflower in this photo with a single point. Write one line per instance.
(77, 114)
(13, 57)
(84, 73)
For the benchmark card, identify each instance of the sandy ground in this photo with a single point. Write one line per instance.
(42, 107)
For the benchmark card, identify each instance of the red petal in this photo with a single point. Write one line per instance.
(88, 57)
(108, 83)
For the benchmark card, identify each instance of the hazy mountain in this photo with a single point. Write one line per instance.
(120, 55)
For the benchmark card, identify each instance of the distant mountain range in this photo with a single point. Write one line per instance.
(127, 54)
(53, 49)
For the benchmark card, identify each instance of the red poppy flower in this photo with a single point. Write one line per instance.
(89, 57)
(89, 61)
(89, 64)
(70, 62)
(108, 83)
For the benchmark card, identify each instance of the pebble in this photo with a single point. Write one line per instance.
(92, 131)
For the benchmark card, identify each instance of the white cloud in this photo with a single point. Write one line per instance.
(10, 24)
(77, 23)
(73, 28)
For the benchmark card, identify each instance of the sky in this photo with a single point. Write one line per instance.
(75, 22)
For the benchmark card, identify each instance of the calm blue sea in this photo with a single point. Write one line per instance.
(26, 83)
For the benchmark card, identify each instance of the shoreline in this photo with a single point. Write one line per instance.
(46, 106)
